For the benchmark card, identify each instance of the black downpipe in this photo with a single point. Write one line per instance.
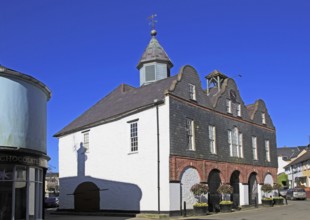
(156, 102)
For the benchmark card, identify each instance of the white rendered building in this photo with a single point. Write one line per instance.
(141, 149)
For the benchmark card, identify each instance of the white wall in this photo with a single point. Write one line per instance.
(281, 164)
(244, 194)
(110, 163)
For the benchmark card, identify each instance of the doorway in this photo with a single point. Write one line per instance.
(214, 181)
(86, 197)
(253, 190)
(234, 182)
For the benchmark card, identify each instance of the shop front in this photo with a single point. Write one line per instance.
(22, 182)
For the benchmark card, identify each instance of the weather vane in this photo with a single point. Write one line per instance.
(152, 21)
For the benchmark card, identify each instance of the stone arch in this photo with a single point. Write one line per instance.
(268, 178)
(257, 176)
(86, 197)
(185, 164)
(188, 178)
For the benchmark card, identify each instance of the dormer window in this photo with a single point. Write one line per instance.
(192, 91)
(263, 118)
(228, 105)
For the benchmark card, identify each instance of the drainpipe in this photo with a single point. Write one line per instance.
(156, 103)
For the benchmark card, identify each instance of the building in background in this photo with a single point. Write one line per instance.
(141, 149)
(52, 184)
(23, 158)
(298, 170)
(286, 155)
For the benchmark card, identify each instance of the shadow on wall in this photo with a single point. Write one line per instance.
(88, 194)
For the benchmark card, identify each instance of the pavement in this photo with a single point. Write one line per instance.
(54, 214)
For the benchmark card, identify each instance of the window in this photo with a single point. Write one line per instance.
(150, 73)
(238, 109)
(235, 143)
(230, 142)
(267, 149)
(212, 139)
(228, 105)
(190, 134)
(192, 92)
(240, 145)
(263, 118)
(134, 136)
(86, 140)
(254, 148)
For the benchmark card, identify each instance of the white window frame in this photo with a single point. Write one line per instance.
(267, 149)
(230, 142)
(212, 139)
(86, 140)
(228, 106)
(235, 142)
(192, 91)
(254, 148)
(238, 109)
(134, 144)
(190, 132)
(240, 145)
(263, 118)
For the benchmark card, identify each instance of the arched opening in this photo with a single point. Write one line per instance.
(189, 177)
(253, 190)
(268, 179)
(214, 181)
(86, 197)
(234, 182)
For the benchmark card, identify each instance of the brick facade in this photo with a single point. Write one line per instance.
(211, 110)
(204, 167)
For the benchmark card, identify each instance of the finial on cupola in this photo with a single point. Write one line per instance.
(152, 23)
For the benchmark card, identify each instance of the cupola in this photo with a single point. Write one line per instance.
(214, 81)
(154, 64)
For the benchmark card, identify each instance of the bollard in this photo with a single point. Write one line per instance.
(184, 213)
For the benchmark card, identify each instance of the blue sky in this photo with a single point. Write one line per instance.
(83, 49)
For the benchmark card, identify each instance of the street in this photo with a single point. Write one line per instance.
(294, 210)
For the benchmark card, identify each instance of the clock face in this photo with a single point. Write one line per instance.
(233, 95)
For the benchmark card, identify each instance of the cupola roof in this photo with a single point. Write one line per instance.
(154, 52)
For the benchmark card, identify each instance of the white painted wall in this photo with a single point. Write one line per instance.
(244, 194)
(119, 173)
(175, 196)
(281, 164)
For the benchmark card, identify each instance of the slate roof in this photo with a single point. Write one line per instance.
(302, 158)
(154, 52)
(120, 101)
(289, 152)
